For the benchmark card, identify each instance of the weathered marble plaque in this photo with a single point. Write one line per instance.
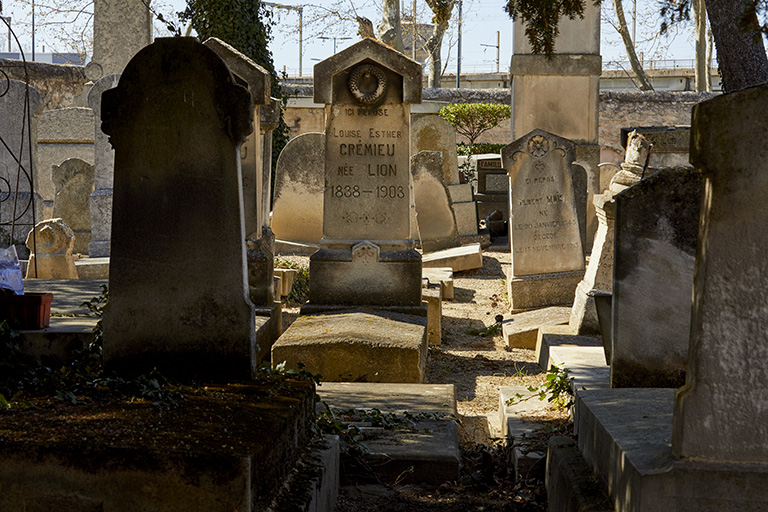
(367, 185)
(544, 226)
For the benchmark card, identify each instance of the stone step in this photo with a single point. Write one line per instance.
(522, 330)
(429, 453)
(466, 257)
(516, 429)
(583, 356)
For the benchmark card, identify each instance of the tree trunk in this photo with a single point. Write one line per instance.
(740, 54)
(442, 15)
(390, 29)
(645, 84)
(710, 43)
(701, 67)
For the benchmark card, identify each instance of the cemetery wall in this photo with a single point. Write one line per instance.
(57, 84)
(618, 109)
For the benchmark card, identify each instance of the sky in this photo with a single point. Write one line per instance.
(481, 20)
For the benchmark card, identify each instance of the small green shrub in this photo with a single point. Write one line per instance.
(474, 119)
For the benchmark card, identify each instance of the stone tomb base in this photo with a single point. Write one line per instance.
(357, 345)
(231, 448)
(539, 290)
(625, 436)
(365, 275)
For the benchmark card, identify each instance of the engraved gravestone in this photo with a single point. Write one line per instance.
(178, 287)
(544, 229)
(368, 89)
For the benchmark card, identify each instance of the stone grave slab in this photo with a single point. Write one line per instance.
(297, 214)
(657, 223)
(546, 220)
(92, 268)
(432, 295)
(466, 257)
(246, 432)
(432, 451)
(522, 329)
(163, 311)
(434, 209)
(367, 346)
(516, 427)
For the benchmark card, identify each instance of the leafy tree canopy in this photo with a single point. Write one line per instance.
(542, 17)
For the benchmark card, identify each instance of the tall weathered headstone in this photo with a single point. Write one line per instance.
(19, 106)
(104, 168)
(434, 210)
(657, 222)
(544, 231)
(178, 286)
(297, 213)
(560, 93)
(366, 255)
(73, 180)
(721, 414)
(120, 29)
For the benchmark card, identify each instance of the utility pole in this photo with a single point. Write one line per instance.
(300, 10)
(33, 30)
(458, 60)
(497, 46)
(413, 31)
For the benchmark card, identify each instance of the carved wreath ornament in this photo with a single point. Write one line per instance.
(367, 84)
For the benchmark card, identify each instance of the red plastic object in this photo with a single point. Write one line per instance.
(28, 311)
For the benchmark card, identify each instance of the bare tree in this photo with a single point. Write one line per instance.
(441, 10)
(629, 44)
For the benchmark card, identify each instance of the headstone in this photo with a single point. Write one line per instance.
(599, 274)
(560, 93)
(464, 208)
(257, 79)
(297, 213)
(434, 209)
(366, 255)
(721, 414)
(178, 287)
(544, 232)
(19, 106)
(62, 134)
(657, 224)
(260, 242)
(120, 29)
(104, 168)
(51, 251)
(73, 180)
(433, 133)
(492, 185)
